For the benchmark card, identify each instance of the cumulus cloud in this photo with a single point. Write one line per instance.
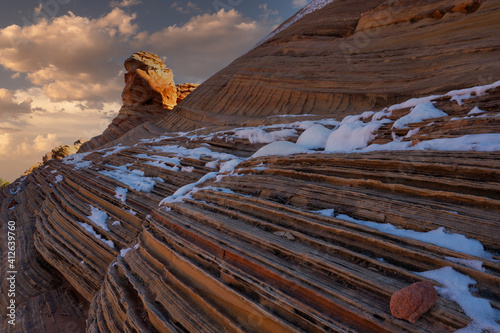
(5, 141)
(9, 106)
(299, 3)
(69, 55)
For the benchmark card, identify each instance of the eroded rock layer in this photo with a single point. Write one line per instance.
(351, 56)
(186, 233)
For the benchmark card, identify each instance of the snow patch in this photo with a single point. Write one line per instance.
(282, 148)
(91, 230)
(419, 113)
(351, 136)
(314, 137)
(439, 236)
(112, 151)
(134, 179)
(186, 191)
(258, 135)
(121, 194)
(98, 217)
(456, 288)
(474, 264)
(77, 160)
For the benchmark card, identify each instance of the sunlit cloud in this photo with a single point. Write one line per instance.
(299, 3)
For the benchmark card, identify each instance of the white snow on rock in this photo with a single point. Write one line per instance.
(474, 264)
(314, 137)
(121, 194)
(474, 111)
(162, 161)
(258, 135)
(112, 151)
(98, 217)
(351, 136)
(123, 252)
(439, 236)
(283, 148)
(59, 178)
(472, 142)
(91, 230)
(460, 95)
(455, 287)
(186, 191)
(77, 160)
(134, 179)
(187, 169)
(419, 113)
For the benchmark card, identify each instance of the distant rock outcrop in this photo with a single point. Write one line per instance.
(57, 153)
(149, 93)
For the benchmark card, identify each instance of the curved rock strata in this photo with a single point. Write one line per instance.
(179, 224)
(352, 56)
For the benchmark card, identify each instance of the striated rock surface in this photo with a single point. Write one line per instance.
(173, 225)
(183, 90)
(413, 301)
(149, 94)
(352, 56)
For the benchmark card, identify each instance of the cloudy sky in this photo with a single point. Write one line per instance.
(61, 61)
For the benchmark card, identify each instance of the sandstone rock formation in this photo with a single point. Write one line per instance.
(172, 226)
(413, 301)
(148, 82)
(352, 56)
(149, 93)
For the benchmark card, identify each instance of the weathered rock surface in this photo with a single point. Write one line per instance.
(148, 82)
(353, 56)
(183, 90)
(164, 230)
(413, 301)
(149, 95)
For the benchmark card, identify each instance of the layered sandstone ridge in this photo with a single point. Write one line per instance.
(149, 94)
(173, 225)
(352, 56)
(185, 232)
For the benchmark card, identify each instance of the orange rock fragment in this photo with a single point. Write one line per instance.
(413, 301)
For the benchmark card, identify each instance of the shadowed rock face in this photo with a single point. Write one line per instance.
(175, 231)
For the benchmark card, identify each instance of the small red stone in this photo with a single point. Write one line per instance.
(413, 301)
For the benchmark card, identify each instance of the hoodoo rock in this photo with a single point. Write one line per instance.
(149, 94)
(413, 301)
(230, 213)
